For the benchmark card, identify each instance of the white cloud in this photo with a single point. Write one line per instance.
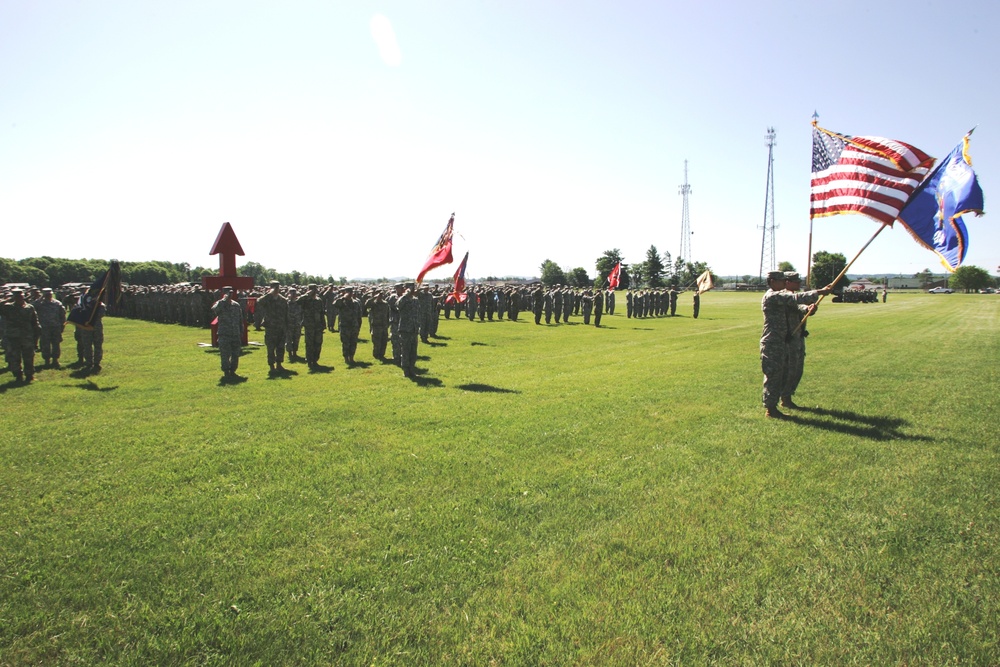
(385, 40)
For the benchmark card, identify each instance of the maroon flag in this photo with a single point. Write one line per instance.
(459, 290)
(868, 175)
(441, 253)
(614, 276)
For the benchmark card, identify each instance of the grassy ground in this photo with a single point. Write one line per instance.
(540, 496)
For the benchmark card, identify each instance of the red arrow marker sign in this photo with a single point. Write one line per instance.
(227, 247)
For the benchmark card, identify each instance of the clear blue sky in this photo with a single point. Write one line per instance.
(553, 130)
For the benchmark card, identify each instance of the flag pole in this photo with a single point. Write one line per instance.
(844, 272)
(809, 258)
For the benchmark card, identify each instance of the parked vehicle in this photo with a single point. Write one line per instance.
(940, 290)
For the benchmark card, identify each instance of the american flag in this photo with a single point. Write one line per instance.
(868, 175)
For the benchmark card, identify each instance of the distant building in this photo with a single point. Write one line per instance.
(909, 282)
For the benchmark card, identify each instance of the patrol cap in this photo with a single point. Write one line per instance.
(792, 276)
(400, 285)
(46, 289)
(349, 290)
(274, 283)
(410, 285)
(776, 275)
(313, 286)
(16, 291)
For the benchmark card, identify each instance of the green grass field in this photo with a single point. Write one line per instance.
(540, 496)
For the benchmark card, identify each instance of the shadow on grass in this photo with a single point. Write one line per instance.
(360, 364)
(226, 381)
(433, 344)
(863, 426)
(284, 374)
(486, 389)
(442, 337)
(11, 384)
(421, 379)
(475, 344)
(320, 368)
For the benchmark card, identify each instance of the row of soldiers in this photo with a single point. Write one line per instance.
(400, 316)
(34, 320)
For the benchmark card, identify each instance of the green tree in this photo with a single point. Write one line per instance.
(261, 274)
(826, 266)
(970, 279)
(146, 273)
(653, 268)
(925, 277)
(578, 277)
(606, 262)
(552, 274)
(786, 266)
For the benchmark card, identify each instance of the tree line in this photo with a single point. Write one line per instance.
(54, 272)
(654, 272)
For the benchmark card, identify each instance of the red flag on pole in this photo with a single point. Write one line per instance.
(458, 292)
(441, 253)
(614, 276)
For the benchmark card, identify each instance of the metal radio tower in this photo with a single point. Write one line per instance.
(767, 259)
(686, 232)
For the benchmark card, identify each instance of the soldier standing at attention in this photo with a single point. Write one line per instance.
(393, 303)
(537, 301)
(378, 325)
(52, 319)
(272, 313)
(349, 311)
(774, 339)
(409, 322)
(588, 306)
(673, 301)
(697, 304)
(230, 315)
(21, 334)
(598, 307)
(294, 333)
(313, 310)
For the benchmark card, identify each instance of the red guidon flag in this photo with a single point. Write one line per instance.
(614, 276)
(458, 292)
(441, 253)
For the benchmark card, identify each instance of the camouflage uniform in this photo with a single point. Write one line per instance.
(397, 343)
(409, 322)
(294, 333)
(90, 342)
(52, 319)
(271, 312)
(378, 326)
(598, 307)
(538, 298)
(349, 312)
(230, 315)
(697, 305)
(588, 306)
(314, 322)
(22, 331)
(774, 339)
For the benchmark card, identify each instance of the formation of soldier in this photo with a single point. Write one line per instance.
(34, 320)
(859, 296)
(287, 314)
(659, 302)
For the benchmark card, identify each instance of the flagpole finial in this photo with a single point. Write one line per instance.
(815, 117)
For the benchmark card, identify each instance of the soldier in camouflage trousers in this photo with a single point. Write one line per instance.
(774, 338)
(313, 309)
